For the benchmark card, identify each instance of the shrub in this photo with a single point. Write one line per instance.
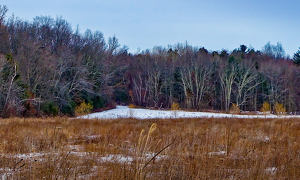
(97, 102)
(131, 106)
(279, 109)
(29, 105)
(120, 95)
(68, 108)
(175, 107)
(266, 108)
(234, 109)
(83, 108)
(50, 109)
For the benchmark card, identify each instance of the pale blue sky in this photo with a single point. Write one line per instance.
(213, 24)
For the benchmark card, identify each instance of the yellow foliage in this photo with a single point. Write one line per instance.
(175, 107)
(234, 109)
(83, 108)
(131, 106)
(279, 109)
(266, 108)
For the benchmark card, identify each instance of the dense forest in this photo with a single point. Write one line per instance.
(47, 68)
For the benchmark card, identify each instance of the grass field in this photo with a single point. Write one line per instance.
(63, 148)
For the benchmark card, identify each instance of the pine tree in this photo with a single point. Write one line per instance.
(297, 58)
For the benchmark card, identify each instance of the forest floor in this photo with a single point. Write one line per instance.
(130, 148)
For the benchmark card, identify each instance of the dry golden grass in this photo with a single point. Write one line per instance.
(63, 148)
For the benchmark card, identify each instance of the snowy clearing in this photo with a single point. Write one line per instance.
(126, 112)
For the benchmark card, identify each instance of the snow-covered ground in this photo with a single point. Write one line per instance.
(126, 112)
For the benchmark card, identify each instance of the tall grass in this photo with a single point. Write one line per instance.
(142, 149)
(62, 148)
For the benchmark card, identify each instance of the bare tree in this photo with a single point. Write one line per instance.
(246, 81)
(113, 44)
(155, 84)
(141, 88)
(275, 51)
(227, 77)
(10, 92)
(194, 82)
(45, 31)
(62, 34)
(276, 86)
(3, 11)
(155, 68)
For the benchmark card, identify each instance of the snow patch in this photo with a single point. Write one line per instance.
(217, 153)
(126, 112)
(116, 158)
(271, 170)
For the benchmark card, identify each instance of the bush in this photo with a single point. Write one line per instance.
(120, 95)
(83, 108)
(279, 109)
(175, 107)
(29, 105)
(68, 108)
(50, 109)
(131, 106)
(97, 102)
(266, 108)
(234, 109)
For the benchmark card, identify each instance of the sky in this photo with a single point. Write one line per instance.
(143, 24)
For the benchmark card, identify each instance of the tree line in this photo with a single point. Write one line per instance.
(47, 68)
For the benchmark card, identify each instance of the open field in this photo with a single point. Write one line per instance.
(195, 148)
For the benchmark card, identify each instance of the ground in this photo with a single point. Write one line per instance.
(155, 148)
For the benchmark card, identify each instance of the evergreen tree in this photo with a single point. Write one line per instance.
(297, 58)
